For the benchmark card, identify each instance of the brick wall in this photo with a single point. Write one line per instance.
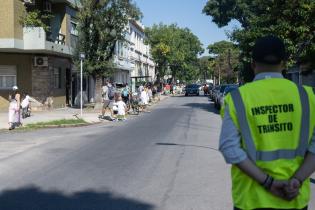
(43, 81)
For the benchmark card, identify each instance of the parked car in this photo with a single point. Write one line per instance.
(227, 90)
(218, 94)
(192, 89)
(213, 91)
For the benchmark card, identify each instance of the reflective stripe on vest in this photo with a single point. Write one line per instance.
(255, 155)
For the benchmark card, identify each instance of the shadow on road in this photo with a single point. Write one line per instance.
(203, 106)
(32, 198)
(183, 96)
(185, 145)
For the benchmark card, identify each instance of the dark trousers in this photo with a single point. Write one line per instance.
(305, 208)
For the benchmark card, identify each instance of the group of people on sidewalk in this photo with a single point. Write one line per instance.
(117, 103)
(173, 88)
(16, 104)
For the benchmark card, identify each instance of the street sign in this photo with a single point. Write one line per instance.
(82, 56)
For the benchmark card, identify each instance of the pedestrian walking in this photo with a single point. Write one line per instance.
(159, 90)
(268, 135)
(144, 99)
(150, 94)
(106, 101)
(14, 108)
(154, 92)
(125, 94)
(171, 89)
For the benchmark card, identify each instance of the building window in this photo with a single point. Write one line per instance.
(120, 49)
(74, 27)
(57, 78)
(7, 77)
(146, 70)
(47, 6)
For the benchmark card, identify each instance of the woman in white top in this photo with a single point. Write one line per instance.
(14, 109)
(144, 97)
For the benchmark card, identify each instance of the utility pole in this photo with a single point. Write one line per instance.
(219, 73)
(82, 57)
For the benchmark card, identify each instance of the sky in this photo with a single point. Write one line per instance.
(186, 13)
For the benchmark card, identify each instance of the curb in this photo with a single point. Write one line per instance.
(25, 128)
(65, 125)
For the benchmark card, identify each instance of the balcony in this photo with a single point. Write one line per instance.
(71, 2)
(36, 39)
(122, 63)
(64, 1)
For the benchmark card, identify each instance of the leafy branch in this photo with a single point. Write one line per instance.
(35, 18)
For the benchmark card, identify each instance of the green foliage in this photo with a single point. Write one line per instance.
(226, 60)
(174, 50)
(101, 24)
(206, 66)
(291, 20)
(35, 18)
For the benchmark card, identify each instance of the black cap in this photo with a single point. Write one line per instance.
(269, 50)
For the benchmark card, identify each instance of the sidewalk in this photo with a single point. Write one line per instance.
(89, 115)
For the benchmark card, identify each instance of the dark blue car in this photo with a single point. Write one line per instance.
(192, 89)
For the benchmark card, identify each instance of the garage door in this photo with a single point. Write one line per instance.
(7, 76)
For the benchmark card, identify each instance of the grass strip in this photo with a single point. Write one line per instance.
(56, 123)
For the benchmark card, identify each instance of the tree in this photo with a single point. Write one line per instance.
(291, 20)
(35, 18)
(206, 67)
(174, 50)
(226, 60)
(159, 37)
(101, 24)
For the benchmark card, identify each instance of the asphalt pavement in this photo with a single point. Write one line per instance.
(163, 160)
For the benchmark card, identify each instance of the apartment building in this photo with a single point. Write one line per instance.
(38, 61)
(132, 59)
(124, 65)
(139, 54)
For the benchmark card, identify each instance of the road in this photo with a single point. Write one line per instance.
(163, 160)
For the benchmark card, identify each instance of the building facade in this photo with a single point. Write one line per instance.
(139, 54)
(132, 59)
(39, 62)
(124, 65)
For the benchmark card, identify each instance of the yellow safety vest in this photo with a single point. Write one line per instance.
(273, 117)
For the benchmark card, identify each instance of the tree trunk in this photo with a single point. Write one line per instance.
(173, 75)
(98, 88)
(158, 78)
